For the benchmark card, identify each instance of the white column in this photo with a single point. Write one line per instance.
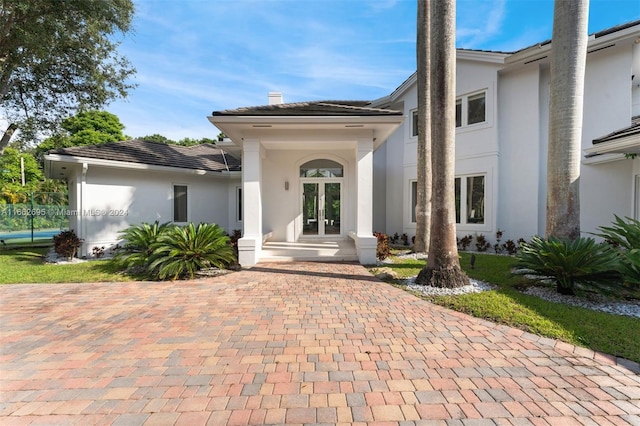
(82, 221)
(250, 245)
(365, 241)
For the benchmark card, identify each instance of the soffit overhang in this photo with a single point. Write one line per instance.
(307, 132)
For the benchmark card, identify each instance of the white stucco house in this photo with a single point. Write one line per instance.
(308, 174)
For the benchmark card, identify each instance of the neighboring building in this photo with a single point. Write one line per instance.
(114, 185)
(327, 170)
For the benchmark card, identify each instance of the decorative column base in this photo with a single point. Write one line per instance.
(366, 247)
(249, 251)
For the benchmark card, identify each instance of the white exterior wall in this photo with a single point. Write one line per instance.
(510, 148)
(519, 185)
(394, 172)
(476, 152)
(113, 200)
(606, 189)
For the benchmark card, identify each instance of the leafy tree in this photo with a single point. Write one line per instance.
(11, 175)
(84, 128)
(11, 168)
(443, 266)
(184, 141)
(94, 127)
(58, 57)
(568, 62)
(157, 138)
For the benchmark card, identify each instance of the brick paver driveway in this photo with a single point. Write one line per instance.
(291, 343)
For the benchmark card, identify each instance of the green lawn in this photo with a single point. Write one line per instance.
(26, 265)
(612, 334)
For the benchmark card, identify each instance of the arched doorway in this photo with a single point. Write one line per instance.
(321, 197)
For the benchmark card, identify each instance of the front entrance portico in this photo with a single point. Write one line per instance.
(307, 172)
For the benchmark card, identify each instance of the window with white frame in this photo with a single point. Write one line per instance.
(239, 204)
(414, 200)
(471, 109)
(414, 123)
(470, 199)
(180, 203)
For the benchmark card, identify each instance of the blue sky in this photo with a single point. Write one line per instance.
(197, 56)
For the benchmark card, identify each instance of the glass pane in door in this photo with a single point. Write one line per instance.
(332, 208)
(310, 209)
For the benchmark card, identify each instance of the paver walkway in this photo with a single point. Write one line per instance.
(298, 343)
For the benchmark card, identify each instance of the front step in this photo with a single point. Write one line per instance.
(309, 250)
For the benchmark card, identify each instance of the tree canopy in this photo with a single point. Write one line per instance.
(11, 166)
(84, 128)
(59, 57)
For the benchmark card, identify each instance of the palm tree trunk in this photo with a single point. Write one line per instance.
(423, 198)
(568, 62)
(443, 265)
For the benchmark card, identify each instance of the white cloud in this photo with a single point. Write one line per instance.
(479, 22)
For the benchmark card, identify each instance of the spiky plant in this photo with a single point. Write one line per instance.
(138, 240)
(622, 233)
(181, 251)
(630, 267)
(576, 265)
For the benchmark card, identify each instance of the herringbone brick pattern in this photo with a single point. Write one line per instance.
(298, 343)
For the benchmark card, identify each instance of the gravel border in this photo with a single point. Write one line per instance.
(603, 304)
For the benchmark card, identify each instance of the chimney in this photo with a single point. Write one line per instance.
(275, 98)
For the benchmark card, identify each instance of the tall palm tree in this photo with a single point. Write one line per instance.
(568, 62)
(443, 265)
(423, 196)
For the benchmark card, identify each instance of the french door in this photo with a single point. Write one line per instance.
(321, 207)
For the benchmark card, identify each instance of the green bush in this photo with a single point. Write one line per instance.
(576, 265)
(625, 236)
(630, 267)
(135, 252)
(179, 252)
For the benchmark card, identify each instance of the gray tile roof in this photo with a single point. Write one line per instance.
(634, 129)
(206, 157)
(313, 108)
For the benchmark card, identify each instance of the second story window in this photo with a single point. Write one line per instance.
(471, 109)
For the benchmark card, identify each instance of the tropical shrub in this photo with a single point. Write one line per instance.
(510, 247)
(98, 252)
(630, 267)
(481, 243)
(179, 252)
(395, 238)
(465, 242)
(575, 266)
(382, 248)
(138, 239)
(66, 243)
(624, 234)
(236, 234)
